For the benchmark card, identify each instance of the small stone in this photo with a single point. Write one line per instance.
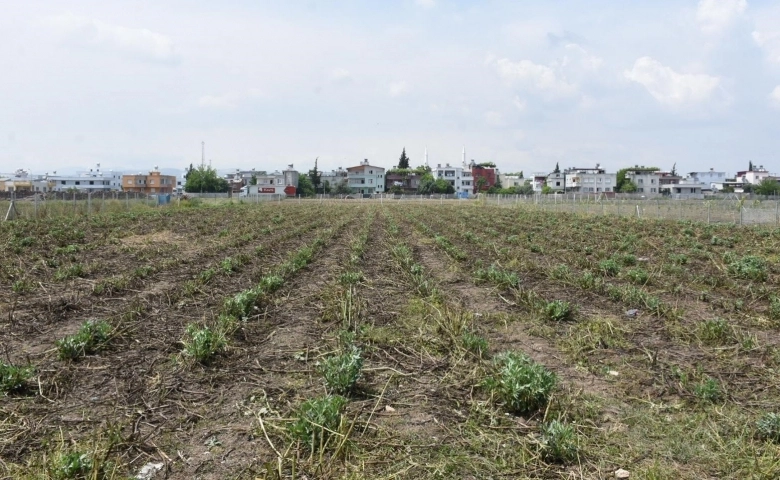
(620, 473)
(149, 471)
(613, 373)
(632, 313)
(390, 409)
(642, 259)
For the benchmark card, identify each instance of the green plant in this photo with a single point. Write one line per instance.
(341, 372)
(501, 278)
(558, 442)
(708, 390)
(271, 283)
(748, 267)
(768, 427)
(350, 278)
(587, 280)
(317, 419)
(560, 272)
(22, 286)
(71, 271)
(609, 267)
(90, 338)
(74, 465)
(242, 304)
(202, 343)
(774, 307)
(13, 378)
(715, 332)
(558, 310)
(474, 343)
(678, 258)
(638, 276)
(229, 265)
(523, 385)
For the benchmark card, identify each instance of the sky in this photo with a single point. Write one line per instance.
(137, 84)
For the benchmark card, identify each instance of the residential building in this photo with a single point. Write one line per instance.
(274, 183)
(510, 181)
(484, 176)
(538, 181)
(753, 177)
(92, 181)
(590, 180)
(408, 182)
(154, 183)
(334, 178)
(556, 181)
(460, 178)
(686, 190)
(647, 180)
(708, 179)
(366, 178)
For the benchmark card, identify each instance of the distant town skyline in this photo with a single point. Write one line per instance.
(266, 84)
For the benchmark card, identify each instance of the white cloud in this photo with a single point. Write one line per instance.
(770, 43)
(137, 43)
(520, 103)
(398, 88)
(426, 3)
(228, 101)
(669, 87)
(774, 97)
(340, 75)
(494, 119)
(716, 16)
(586, 60)
(532, 76)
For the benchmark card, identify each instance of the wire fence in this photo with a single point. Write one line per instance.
(59, 204)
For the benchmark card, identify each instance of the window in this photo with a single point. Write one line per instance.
(151, 182)
(557, 184)
(640, 190)
(63, 182)
(152, 189)
(652, 190)
(78, 183)
(640, 181)
(652, 181)
(370, 172)
(371, 181)
(91, 182)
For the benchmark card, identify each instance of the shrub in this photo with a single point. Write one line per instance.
(500, 277)
(609, 267)
(558, 310)
(638, 276)
(71, 271)
(560, 272)
(317, 418)
(73, 465)
(678, 258)
(749, 267)
(474, 343)
(715, 332)
(90, 338)
(350, 278)
(587, 280)
(774, 308)
(708, 390)
(13, 378)
(341, 372)
(768, 427)
(559, 442)
(523, 385)
(202, 343)
(242, 304)
(271, 283)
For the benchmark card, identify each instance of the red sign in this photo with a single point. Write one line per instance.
(268, 190)
(289, 190)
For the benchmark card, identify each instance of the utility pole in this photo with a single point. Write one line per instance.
(202, 154)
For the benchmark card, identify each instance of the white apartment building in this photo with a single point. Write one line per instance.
(273, 183)
(92, 181)
(460, 178)
(556, 181)
(366, 178)
(708, 179)
(334, 177)
(509, 181)
(538, 180)
(753, 177)
(590, 180)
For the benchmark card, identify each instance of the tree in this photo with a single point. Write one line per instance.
(487, 164)
(767, 186)
(326, 187)
(750, 166)
(442, 186)
(403, 162)
(628, 187)
(342, 188)
(546, 190)
(315, 176)
(498, 183)
(427, 184)
(674, 169)
(205, 180)
(253, 180)
(525, 189)
(481, 183)
(557, 168)
(189, 170)
(305, 187)
(396, 189)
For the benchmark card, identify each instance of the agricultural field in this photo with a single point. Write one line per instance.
(302, 340)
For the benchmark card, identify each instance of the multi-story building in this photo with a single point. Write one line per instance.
(590, 180)
(366, 178)
(538, 181)
(510, 181)
(708, 179)
(155, 183)
(460, 178)
(334, 178)
(753, 177)
(557, 181)
(407, 182)
(483, 176)
(274, 183)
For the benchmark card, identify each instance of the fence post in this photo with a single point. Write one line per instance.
(74, 203)
(89, 203)
(709, 206)
(637, 212)
(777, 217)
